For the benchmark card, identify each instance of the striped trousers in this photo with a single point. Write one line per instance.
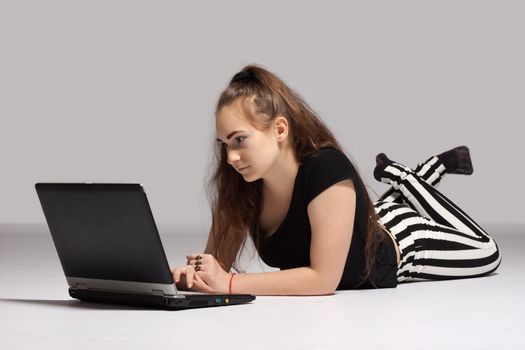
(437, 240)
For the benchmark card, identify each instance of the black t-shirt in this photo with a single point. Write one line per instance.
(289, 246)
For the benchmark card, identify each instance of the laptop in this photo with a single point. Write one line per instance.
(110, 250)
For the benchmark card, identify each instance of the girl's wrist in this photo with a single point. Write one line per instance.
(231, 282)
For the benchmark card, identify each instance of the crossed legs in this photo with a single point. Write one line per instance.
(437, 240)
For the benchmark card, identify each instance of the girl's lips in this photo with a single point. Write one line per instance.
(241, 169)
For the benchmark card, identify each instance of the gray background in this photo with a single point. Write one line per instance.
(107, 91)
(124, 91)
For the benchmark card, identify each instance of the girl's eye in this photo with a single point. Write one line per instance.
(238, 141)
(240, 137)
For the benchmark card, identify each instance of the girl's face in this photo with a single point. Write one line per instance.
(249, 148)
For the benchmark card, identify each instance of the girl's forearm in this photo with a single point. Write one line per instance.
(298, 281)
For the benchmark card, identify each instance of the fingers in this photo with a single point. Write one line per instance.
(193, 256)
(184, 276)
(190, 274)
(187, 275)
(197, 261)
(176, 272)
(179, 274)
(187, 278)
(201, 286)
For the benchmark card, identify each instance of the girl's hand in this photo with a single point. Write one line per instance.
(186, 279)
(210, 277)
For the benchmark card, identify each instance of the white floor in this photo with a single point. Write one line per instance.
(477, 313)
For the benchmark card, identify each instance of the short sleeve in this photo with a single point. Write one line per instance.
(323, 169)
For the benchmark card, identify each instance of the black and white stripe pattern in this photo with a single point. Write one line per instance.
(437, 239)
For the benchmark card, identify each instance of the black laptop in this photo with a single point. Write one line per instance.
(110, 250)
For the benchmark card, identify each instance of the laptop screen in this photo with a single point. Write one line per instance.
(104, 231)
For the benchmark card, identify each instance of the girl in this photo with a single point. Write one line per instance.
(282, 178)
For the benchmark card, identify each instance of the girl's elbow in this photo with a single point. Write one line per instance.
(326, 292)
(327, 289)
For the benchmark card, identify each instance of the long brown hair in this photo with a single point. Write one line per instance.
(235, 203)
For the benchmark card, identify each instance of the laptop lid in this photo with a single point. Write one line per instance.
(106, 237)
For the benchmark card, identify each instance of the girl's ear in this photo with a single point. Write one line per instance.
(281, 128)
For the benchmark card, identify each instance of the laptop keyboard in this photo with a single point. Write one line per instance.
(189, 292)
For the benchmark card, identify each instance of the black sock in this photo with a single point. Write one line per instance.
(457, 161)
(382, 161)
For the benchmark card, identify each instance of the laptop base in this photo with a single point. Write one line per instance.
(158, 301)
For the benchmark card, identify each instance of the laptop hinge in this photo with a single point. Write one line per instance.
(157, 292)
